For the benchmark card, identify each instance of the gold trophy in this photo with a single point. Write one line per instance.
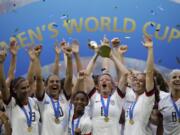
(105, 49)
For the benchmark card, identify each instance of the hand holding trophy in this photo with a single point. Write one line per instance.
(105, 49)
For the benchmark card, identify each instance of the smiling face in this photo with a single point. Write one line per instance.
(138, 83)
(80, 101)
(53, 86)
(174, 82)
(105, 84)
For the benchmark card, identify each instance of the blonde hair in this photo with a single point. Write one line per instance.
(173, 72)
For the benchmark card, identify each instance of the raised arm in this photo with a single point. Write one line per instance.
(5, 90)
(31, 71)
(75, 51)
(123, 70)
(13, 51)
(80, 82)
(91, 64)
(150, 64)
(37, 72)
(69, 71)
(56, 62)
(119, 51)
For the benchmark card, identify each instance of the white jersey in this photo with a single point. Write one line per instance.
(141, 115)
(49, 126)
(162, 94)
(18, 118)
(85, 124)
(100, 127)
(170, 119)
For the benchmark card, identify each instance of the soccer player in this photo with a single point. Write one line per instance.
(138, 113)
(79, 122)
(22, 111)
(106, 103)
(169, 106)
(53, 101)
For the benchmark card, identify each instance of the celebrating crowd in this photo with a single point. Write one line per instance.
(132, 103)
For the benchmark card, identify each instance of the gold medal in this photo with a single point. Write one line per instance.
(106, 119)
(29, 129)
(131, 121)
(57, 121)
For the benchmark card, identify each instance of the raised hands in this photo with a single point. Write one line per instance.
(75, 46)
(13, 48)
(32, 54)
(57, 48)
(66, 48)
(115, 42)
(3, 54)
(82, 74)
(123, 49)
(147, 42)
(38, 50)
(105, 41)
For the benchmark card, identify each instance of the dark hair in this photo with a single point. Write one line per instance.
(47, 79)
(105, 74)
(14, 84)
(62, 83)
(160, 81)
(80, 92)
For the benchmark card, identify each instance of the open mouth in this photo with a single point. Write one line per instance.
(54, 87)
(104, 85)
(177, 83)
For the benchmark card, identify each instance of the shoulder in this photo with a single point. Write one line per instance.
(163, 94)
(165, 101)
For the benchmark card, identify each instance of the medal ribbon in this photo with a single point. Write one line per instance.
(56, 108)
(131, 110)
(28, 118)
(176, 108)
(76, 126)
(105, 108)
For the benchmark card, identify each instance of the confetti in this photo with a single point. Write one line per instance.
(158, 29)
(64, 16)
(161, 8)
(178, 60)
(152, 12)
(68, 21)
(152, 24)
(55, 25)
(127, 37)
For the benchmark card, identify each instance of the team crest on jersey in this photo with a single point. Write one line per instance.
(112, 102)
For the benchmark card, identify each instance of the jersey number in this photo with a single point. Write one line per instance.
(61, 112)
(174, 118)
(33, 116)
